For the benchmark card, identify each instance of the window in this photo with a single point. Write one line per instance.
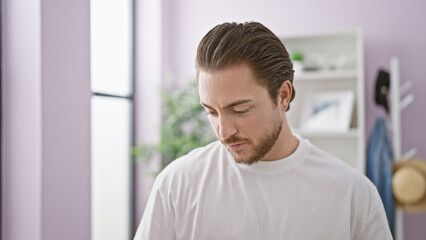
(111, 118)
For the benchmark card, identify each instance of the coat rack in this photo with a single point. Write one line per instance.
(397, 106)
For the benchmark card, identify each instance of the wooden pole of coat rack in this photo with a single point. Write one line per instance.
(397, 105)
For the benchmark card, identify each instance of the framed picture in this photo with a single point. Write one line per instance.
(328, 111)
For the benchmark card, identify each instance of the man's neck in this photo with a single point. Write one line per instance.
(285, 145)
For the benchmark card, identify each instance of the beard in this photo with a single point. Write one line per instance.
(267, 141)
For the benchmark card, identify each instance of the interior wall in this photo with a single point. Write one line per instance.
(21, 99)
(65, 103)
(390, 28)
(148, 77)
(46, 104)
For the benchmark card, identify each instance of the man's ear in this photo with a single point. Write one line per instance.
(284, 95)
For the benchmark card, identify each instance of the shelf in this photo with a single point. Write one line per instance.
(324, 49)
(325, 75)
(351, 133)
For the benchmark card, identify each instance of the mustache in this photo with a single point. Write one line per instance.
(232, 139)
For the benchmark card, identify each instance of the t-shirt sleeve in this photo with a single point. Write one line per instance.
(158, 219)
(376, 227)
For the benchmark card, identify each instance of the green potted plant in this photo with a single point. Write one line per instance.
(297, 58)
(184, 126)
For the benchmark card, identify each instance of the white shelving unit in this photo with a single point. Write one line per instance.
(334, 61)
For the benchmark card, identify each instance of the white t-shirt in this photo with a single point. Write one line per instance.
(308, 195)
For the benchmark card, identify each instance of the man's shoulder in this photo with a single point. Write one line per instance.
(330, 162)
(336, 169)
(198, 155)
(194, 161)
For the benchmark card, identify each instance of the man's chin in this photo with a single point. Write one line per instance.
(243, 160)
(246, 162)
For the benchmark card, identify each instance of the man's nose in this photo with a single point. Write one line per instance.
(226, 127)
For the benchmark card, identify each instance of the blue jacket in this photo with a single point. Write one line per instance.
(379, 167)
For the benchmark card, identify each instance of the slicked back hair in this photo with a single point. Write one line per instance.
(250, 43)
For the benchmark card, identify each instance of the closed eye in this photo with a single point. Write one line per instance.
(242, 111)
(211, 113)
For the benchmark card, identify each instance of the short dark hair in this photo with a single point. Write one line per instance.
(248, 43)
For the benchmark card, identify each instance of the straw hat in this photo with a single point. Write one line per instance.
(409, 184)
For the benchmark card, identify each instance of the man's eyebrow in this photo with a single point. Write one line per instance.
(233, 104)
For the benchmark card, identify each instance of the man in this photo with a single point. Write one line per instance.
(259, 181)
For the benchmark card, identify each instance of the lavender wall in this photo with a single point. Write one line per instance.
(21, 99)
(46, 104)
(390, 27)
(147, 95)
(65, 119)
